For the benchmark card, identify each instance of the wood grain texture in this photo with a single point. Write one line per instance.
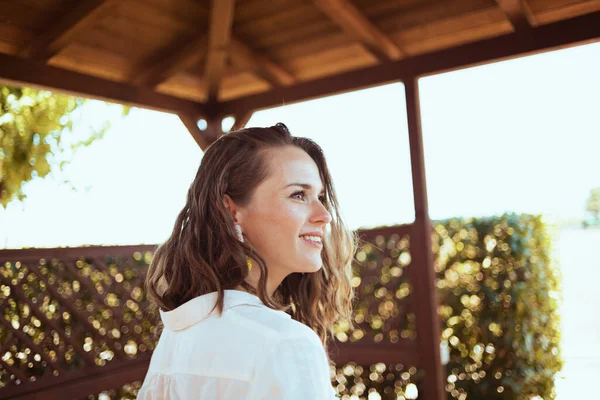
(518, 13)
(57, 36)
(219, 37)
(355, 24)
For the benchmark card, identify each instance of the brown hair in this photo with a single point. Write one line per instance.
(203, 255)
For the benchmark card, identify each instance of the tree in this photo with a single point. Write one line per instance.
(32, 124)
(593, 203)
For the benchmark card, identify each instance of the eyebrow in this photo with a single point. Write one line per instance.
(305, 186)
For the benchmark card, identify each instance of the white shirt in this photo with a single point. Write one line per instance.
(251, 352)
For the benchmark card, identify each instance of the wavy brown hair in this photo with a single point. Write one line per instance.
(203, 254)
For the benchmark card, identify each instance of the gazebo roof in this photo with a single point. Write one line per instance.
(230, 57)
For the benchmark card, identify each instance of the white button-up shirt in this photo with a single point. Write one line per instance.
(251, 352)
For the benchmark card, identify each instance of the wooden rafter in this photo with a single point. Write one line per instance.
(517, 12)
(570, 10)
(582, 29)
(179, 56)
(242, 120)
(61, 33)
(263, 66)
(23, 72)
(191, 123)
(351, 20)
(219, 37)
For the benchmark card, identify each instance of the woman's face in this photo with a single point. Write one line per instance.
(286, 219)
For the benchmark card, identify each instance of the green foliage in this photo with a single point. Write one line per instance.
(32, 124)
(499, 291)
(593, 203)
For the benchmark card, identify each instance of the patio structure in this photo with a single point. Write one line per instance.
(207, 60)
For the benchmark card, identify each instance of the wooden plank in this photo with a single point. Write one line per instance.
(83, 382)
(331, 62)
(219, 37)
(273, 73)
(242, 84)
(58, 36)
(423, 276)
(366, 354)
(453, 32)
(23, 72)
(546, 11)
(517, 12)
(351, 20)
(186, 85)
(371, 234)
(583, 29)
(36, 254)
(180, 55)
(13, 38)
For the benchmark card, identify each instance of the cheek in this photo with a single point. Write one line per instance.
(278, 224)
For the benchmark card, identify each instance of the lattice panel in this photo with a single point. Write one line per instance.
(65, 313)
(378, 381)
(383, 306)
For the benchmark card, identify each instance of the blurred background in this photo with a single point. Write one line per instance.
(513, 138)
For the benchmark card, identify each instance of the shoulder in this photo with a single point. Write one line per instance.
(273, 326)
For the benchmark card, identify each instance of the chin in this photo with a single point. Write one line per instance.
(313, 267)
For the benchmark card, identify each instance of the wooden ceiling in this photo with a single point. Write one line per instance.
(202, 57)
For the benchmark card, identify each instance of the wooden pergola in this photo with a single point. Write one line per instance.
(209, 60)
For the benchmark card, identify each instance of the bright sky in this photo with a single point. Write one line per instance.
(521, 135)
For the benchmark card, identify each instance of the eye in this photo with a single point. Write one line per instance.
(299, 193)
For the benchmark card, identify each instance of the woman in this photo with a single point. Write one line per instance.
(260, 240)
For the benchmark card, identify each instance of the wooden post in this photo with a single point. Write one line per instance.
(423, 275)
(241, 120)
(204, 138)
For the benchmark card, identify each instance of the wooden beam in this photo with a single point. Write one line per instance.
(573, 9)
(24, 72)
(404, 352)
(582, 29)
(83, 382)
(263, 66)
(242, 120)
(179, 56)
(183, 54)
(34, 254)
(62, 32)
(219, 37)
(518, 13)
(351, 20)
(423, 277)
(201, 137)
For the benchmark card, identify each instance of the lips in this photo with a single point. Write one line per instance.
(313, 239)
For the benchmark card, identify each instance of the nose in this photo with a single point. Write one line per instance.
(320, 214)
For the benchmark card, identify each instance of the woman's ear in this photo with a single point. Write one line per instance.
(232, 207)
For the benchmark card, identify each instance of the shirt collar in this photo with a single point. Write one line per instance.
(199, 308)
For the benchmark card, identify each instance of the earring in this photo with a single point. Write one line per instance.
(238, 230)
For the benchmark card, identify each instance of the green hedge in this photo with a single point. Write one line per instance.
(499, 294)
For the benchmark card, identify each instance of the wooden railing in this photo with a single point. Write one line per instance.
(76, 321)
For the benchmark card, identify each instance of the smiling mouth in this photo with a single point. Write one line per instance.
(312, 240)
